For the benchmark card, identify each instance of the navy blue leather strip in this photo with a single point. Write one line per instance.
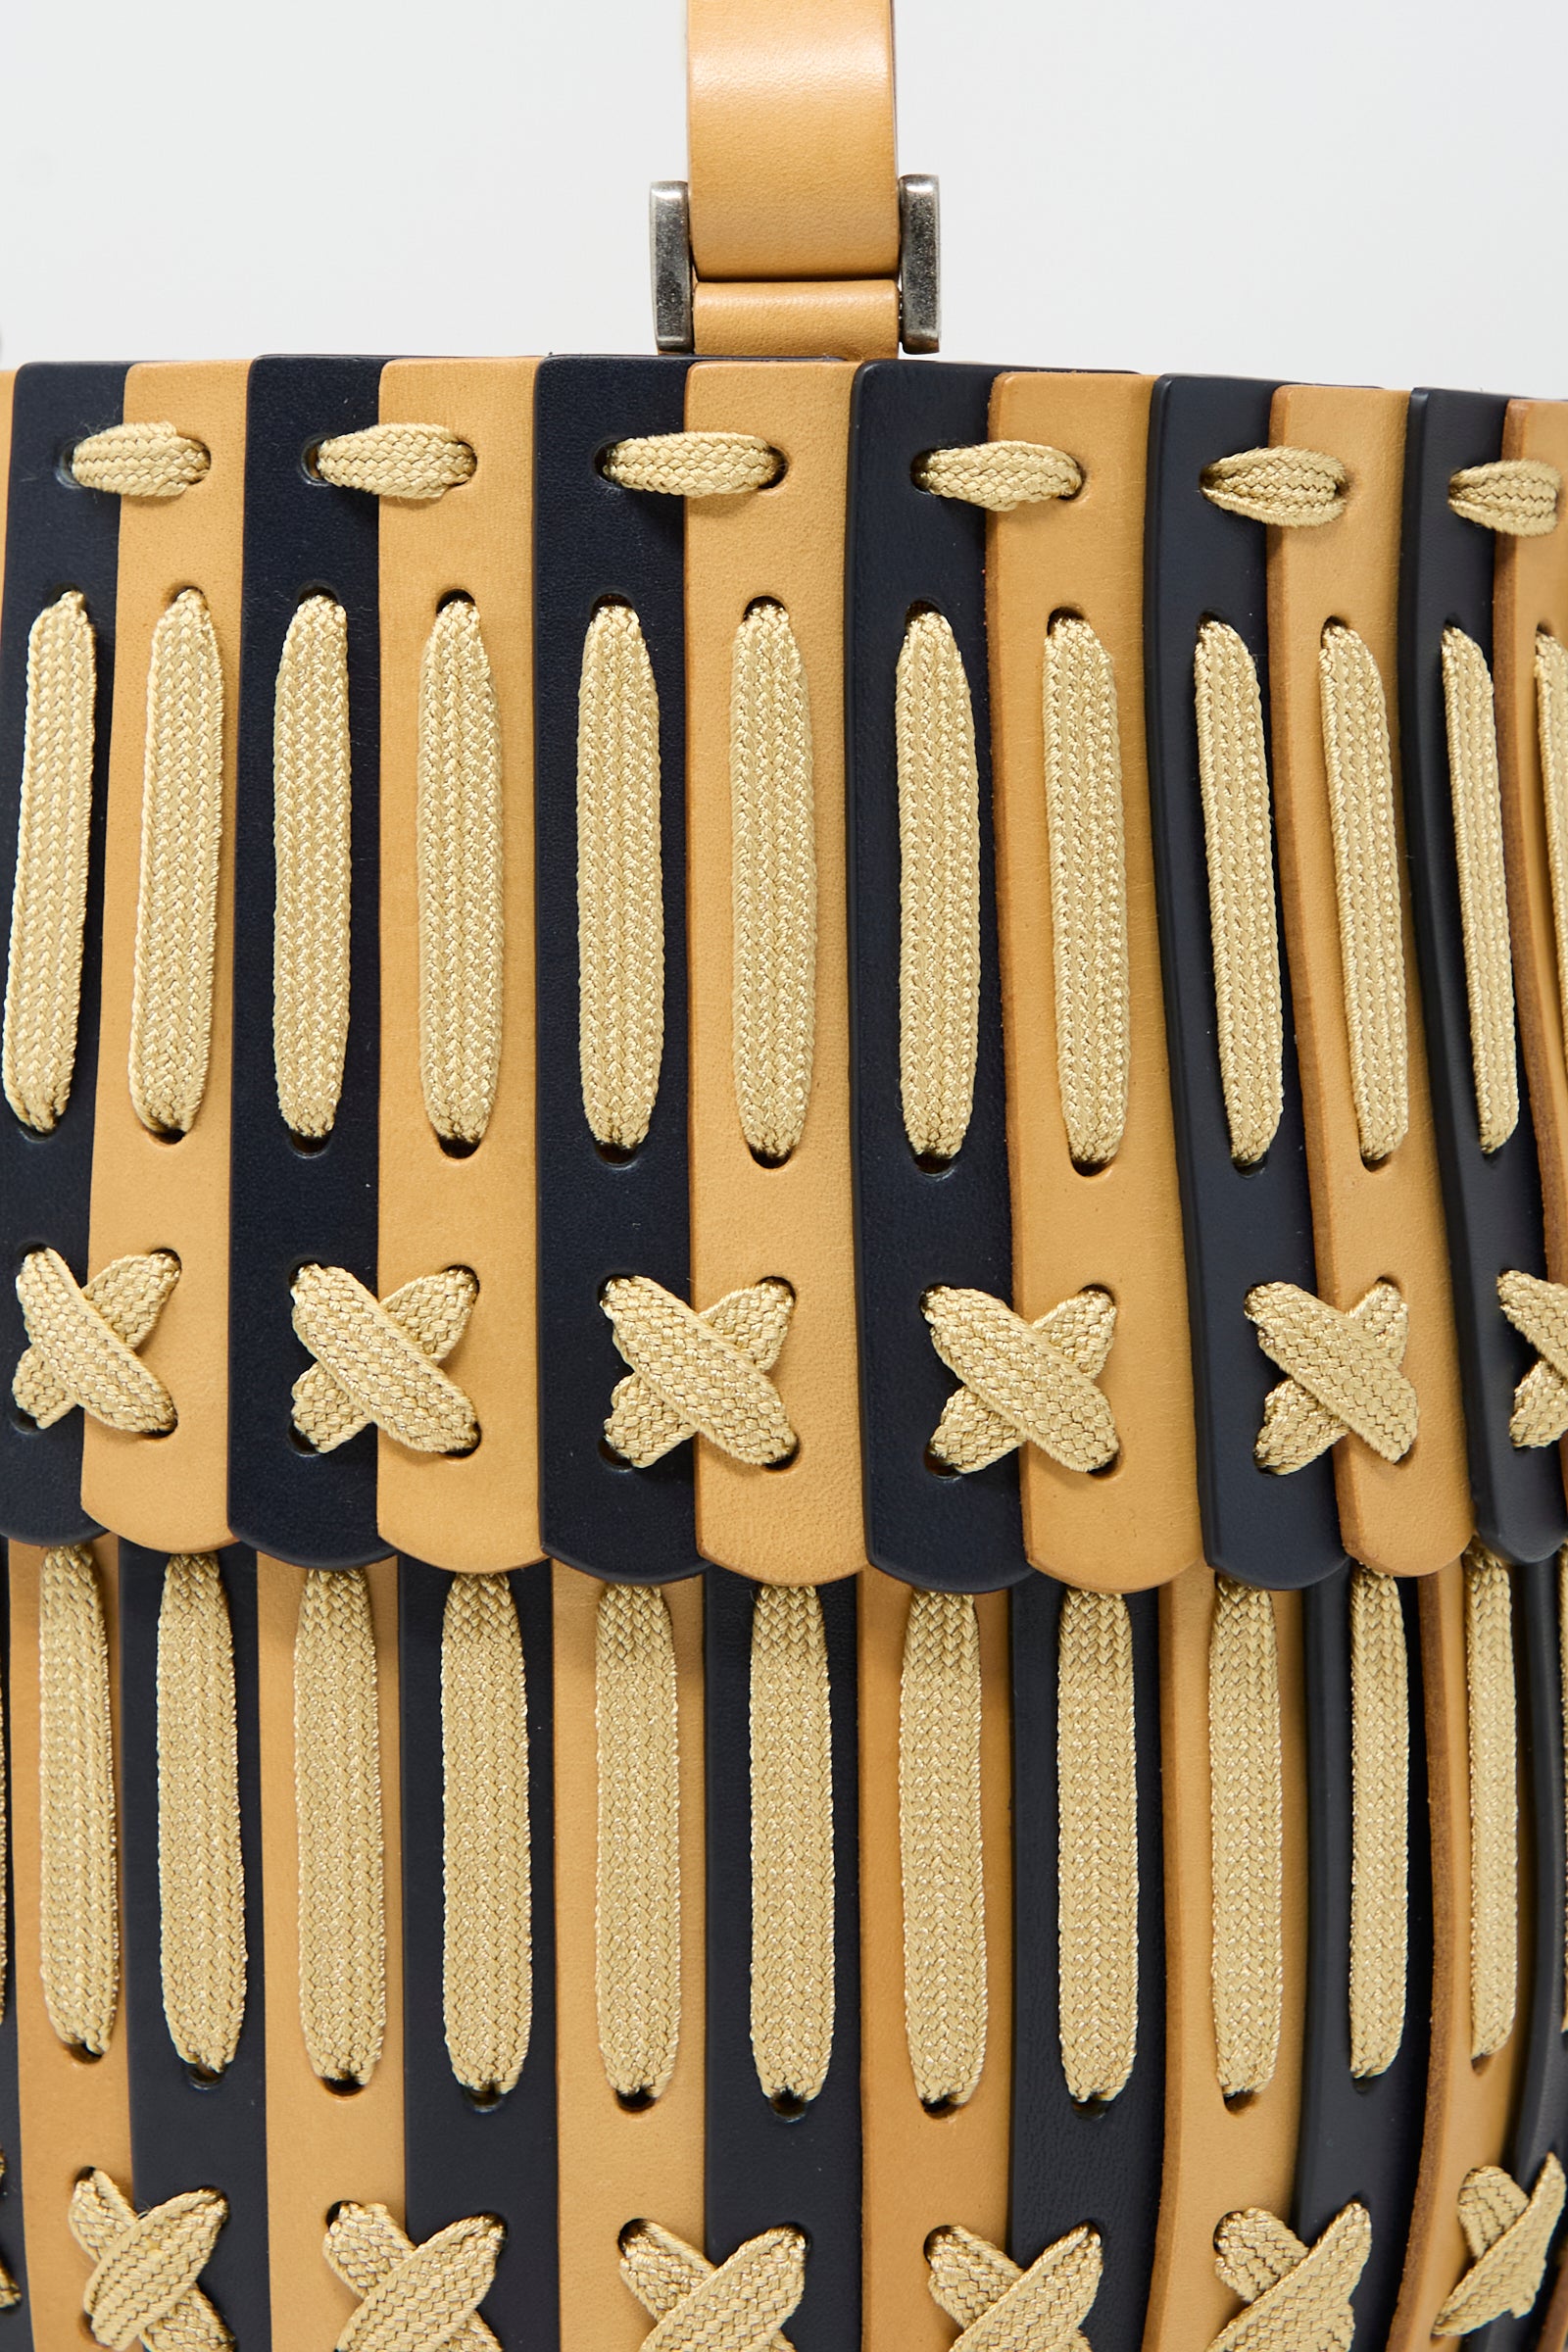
(1541, 2121)
(16, 2324)
(601, 1217)
(291, 1203)
(917, 1226)
(1073, 2163)
(764, 2167)
(1241, 1227)
(1357, 2138)
(462, 2158)
(58, 536)
(186, 2133)
(1491, 1200)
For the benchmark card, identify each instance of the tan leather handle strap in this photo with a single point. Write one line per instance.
(794, 186)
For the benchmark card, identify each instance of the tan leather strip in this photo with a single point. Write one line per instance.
(1120, 1228)
(148, 1194)
(790, 112)
(1555, 2326)
(320, 2145)
(480, 1510)
(1218, 2158)
(923, 2171)
(1468, 2105)
(1532, 594)
(619, 2165)
(849, 319)
(75, 2111)
(801, 1524)
(1369, 1224)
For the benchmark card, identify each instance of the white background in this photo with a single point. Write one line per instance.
(1372, 191)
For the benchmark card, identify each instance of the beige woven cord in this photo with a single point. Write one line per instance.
(200, 1870)
(10, 2291)
(83, 1341)
(1248, 1832)
(620, 905)
(1023, 1382)
(698, 2306)
(1360, 761)
(487, 1958)
(1476, 797)
(1509, 2235)
(413, 2298)
(698, 1374)
(637, 1916)
(1291, 489)
(1001, 2308)
(941, 1850)
(792, 1845)
(1297, 2297)
(337, 1783)
(939, 888)
(1097, 1881)
(773, 882)
(49, 898)
(1380, 1773)
(181, 837)
(143, 2287)
(417, 462)
(1342, 1374)
(462, 923)
(139, 460)
(1538, 1312)
(1239, 840)
(1001, 474)
(694, 465)
(311, 907)
(1494, 1801)
(380, 1359)
(1517, 496)
(78, 1873)
(1551, 723)
(1087, 890)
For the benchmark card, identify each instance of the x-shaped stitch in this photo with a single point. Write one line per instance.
(143, 2286)
(1001, 2308)
(1539, 1312)
(84, 1340)
(699, 1374)
(1342, 1374)
(1295, 2294)
(699, 2306)
(413, 2298)
(1509, 2235)
(378, 1359)
(1023, 1380)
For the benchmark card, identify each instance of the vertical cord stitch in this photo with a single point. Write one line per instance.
(637, 1916)
(312, 788)
(337, 1783)
(1246, 1828)
(941, 1848)
(620, 901)
(792, 1846)
(462, 914)
(1087, 890)
(1359, 762)
(939, 888)
(201, 1869)
(49, 899)
(1477, 796)
(1494, 1801)
(1552, 726)
(78, 1873)
(1380, 1768)
(773, 882)
(487, 1958)
(1096, 1806)
(181, 836)
(1239, 839)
